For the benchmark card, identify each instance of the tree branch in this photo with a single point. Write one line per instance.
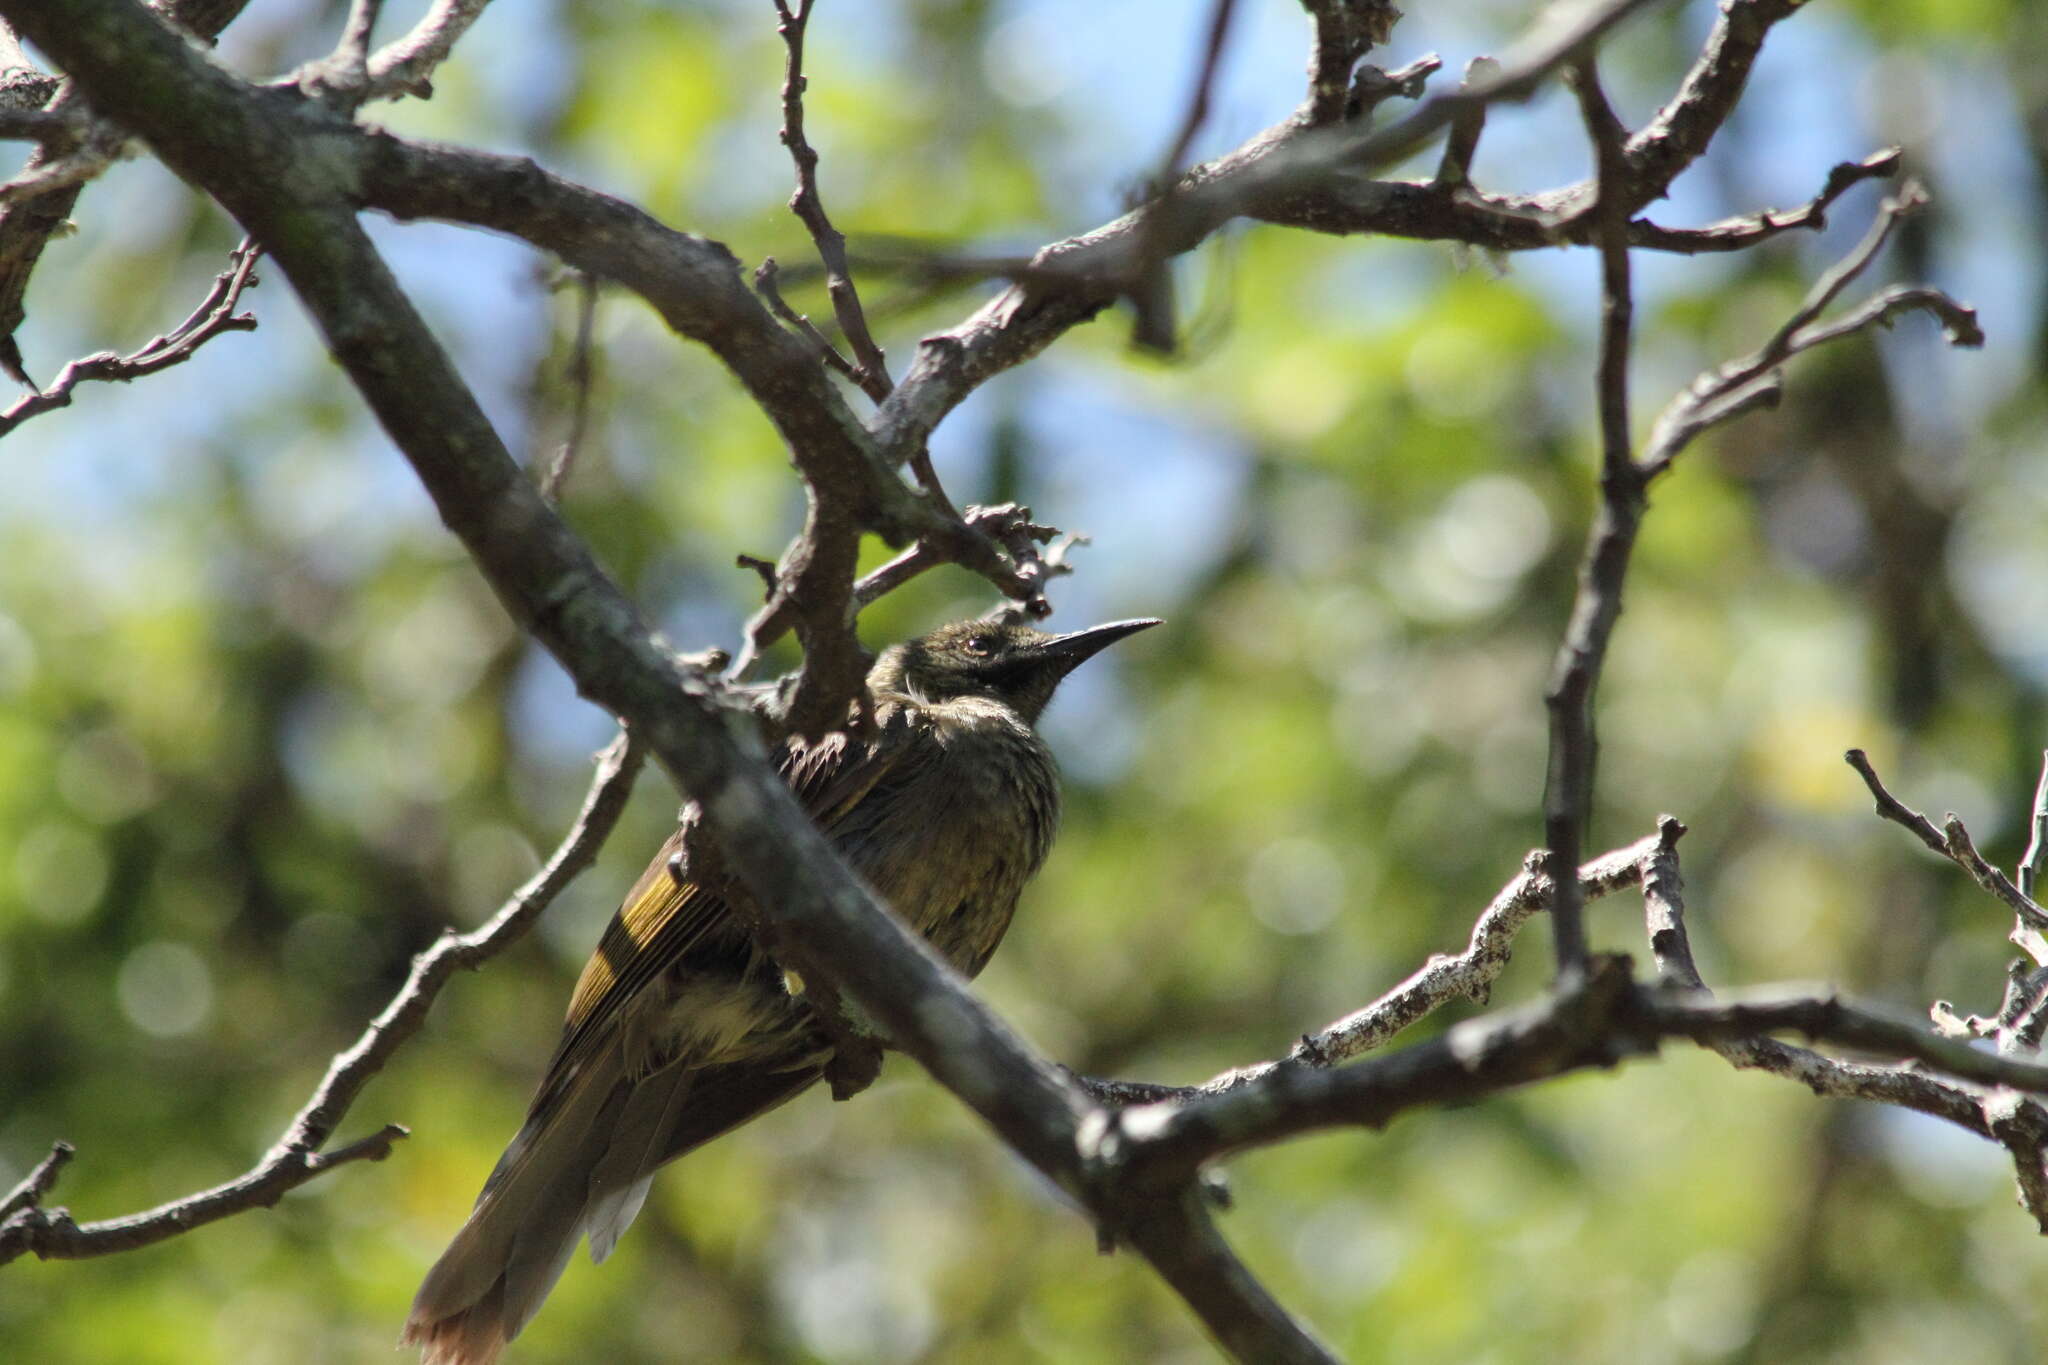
(27, 227)
(2035, 860)
(1443, 979)
(217, 132)
(1008, 524)
(298, 1156)
(1568, 784)
(1602, 1020)
(694, 284)
(341, 79)
(39, 125)
(869, 370)
(2017, 1122)
(215, 315)
(1345, 31)
(1177, 1235)
(1307, 173)
(37, 1183)
(1953, 842)
(1745, 231)
(1728, 391)
(1150, 287)
(406, 66)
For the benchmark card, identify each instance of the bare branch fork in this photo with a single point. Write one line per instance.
(76, 146)
(214, 316)
(2022, 1015)
(1602, 1018)
(1313, 171)
(1160, 1134)
(1714, 398)
(1753, 381)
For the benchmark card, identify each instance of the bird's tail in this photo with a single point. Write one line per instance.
(582, 1164)
(494, 1276)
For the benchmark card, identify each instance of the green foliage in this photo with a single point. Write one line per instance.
(263, 734)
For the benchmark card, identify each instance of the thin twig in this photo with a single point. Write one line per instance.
(1443, 979)
(1671, 947)
(995, 522)
(1574, 1030)
(1468, 975)
(582, 375)
(353, 53)
(1729, 390)
(1843, 273)
(767, 283)
(341, 79)
(1455, 166)
(1197, 109)
(1585, 1022)
(1746, 230)
(1598, 1021)
(870, 370)
(2025, 1033)
(215, 315)
(1953, 843)
(1893, 809)
(1574, 749)
(94, 155)
(1822, 1015)
(1372, 87)
(1561, 37)
(38, 1182)
(1306, 174)
(298, 1155)
(40, 125)
(2033, 920)
(406, 66)
(1151, 284)
(2018, 985)
(1664, 908)
(1345, 31)
(1009, 529)
(2035, 859)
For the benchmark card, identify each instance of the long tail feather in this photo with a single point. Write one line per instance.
(581, 1164)
(501, 1265)
(619, 1182)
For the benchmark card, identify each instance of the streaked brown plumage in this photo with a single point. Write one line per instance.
(681, 1028)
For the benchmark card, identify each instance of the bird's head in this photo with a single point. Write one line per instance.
(1009, 663)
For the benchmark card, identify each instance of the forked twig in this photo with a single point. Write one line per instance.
(214, 316)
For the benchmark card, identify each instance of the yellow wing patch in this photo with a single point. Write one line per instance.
(662, 919)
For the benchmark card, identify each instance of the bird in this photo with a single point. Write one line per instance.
(682, 1027)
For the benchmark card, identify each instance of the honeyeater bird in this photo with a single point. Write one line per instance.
(682, 1027)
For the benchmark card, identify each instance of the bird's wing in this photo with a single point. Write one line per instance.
(663, 918)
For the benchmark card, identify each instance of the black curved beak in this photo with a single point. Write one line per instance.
(1068, 652)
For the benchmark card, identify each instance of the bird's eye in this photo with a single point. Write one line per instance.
(980, 646)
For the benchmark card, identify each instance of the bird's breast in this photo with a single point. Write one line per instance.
(953, 844)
